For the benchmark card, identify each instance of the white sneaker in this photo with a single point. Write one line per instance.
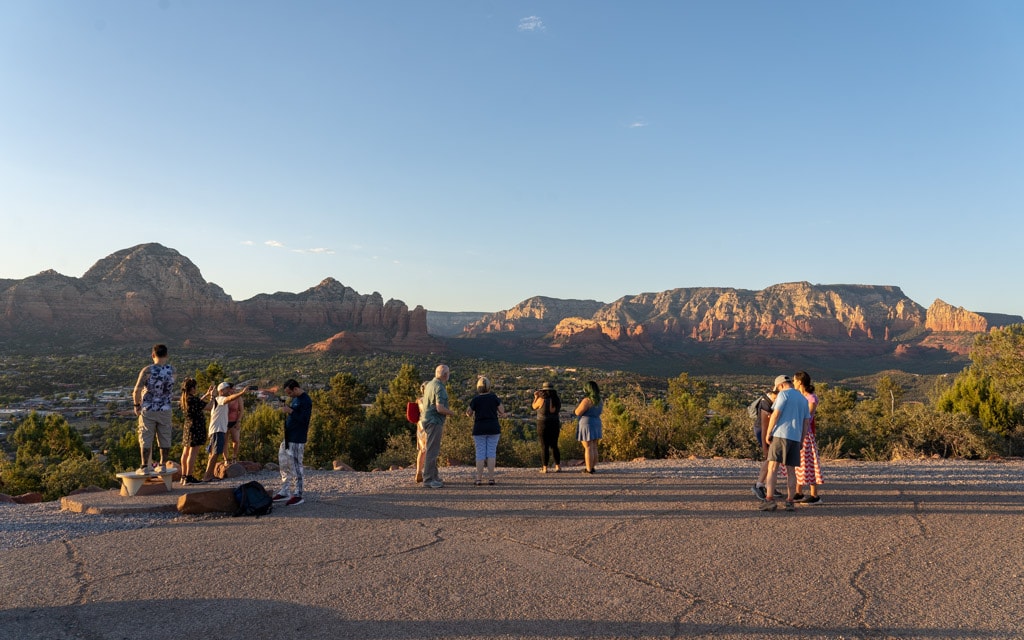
(434, 484)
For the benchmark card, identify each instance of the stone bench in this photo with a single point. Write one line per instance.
(132, 481)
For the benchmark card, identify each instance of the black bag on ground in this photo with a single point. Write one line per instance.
(253, 500)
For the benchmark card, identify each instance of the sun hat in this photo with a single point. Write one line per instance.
(224, 385)
(547, 386)
(782, 379)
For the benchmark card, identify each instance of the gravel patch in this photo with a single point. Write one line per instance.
(32, 524)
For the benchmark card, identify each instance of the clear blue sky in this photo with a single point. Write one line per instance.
(468, 155)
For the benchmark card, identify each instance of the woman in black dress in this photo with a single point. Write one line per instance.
(194, 434)
(547, 404)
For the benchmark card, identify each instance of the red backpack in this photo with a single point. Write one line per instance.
(412, 412)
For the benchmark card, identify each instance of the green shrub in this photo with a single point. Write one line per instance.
(22, 476)
(262, 431)
(568, 445)
(400, 452)
(75, 473)
(457, 446)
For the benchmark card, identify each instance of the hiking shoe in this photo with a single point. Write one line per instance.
(278, 497)
(767, 505)
(543, 469)
(434, 484)
(789, 505)
(293, 501)
(779, 494)
(811, 500)
(798, 497)
(758, 492)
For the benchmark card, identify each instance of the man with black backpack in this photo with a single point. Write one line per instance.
(760, 411)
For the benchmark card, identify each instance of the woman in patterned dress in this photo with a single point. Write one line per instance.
(193, 436)
(809, 472)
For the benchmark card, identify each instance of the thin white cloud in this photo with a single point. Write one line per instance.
(248, 243)
(637, 124)
(274, 243)
(322, 250)
(531, 23)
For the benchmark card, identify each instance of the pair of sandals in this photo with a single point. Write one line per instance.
(480, 482)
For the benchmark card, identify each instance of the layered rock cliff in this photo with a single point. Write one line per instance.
(782, 324)
(151, 292)
(944, 317)
(797, 310)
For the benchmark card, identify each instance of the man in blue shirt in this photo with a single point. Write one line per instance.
(784, 437)
(289, 455)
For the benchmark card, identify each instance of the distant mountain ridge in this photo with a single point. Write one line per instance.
(737, 329)
(153, 293)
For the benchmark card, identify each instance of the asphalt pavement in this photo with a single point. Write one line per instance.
(571, 555)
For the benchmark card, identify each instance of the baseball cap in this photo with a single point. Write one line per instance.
(224, 385)
(782, 379)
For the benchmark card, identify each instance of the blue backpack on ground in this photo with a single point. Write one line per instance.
(253, 500)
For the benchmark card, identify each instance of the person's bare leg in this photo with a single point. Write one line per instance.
(770, 480)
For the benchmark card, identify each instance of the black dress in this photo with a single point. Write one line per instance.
(195, 423)
(548, 424)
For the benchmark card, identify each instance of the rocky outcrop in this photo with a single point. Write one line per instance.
(953, 328)
(533, 315)
(736, 329)
(151, 292)
(793, 311)
(142, 293)
(944, 317)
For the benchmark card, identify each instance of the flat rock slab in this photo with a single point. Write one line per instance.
(113, 502)
(613, 555)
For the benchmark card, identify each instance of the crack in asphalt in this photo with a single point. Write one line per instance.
(693, 600)
(78, 573)
(857, 577)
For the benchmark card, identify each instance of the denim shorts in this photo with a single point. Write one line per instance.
(486, 446)
(216, 446)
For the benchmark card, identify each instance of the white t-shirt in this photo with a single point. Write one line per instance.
(219, 416)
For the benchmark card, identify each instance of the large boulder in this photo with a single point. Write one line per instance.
(233, 470)
(209, 501)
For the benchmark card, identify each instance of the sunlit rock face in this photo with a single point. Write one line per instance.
(152, 292)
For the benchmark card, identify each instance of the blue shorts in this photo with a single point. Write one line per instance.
(216, 445)
(486, 446)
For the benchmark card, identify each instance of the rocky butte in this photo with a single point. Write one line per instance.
(850, 327)
(150, 292)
